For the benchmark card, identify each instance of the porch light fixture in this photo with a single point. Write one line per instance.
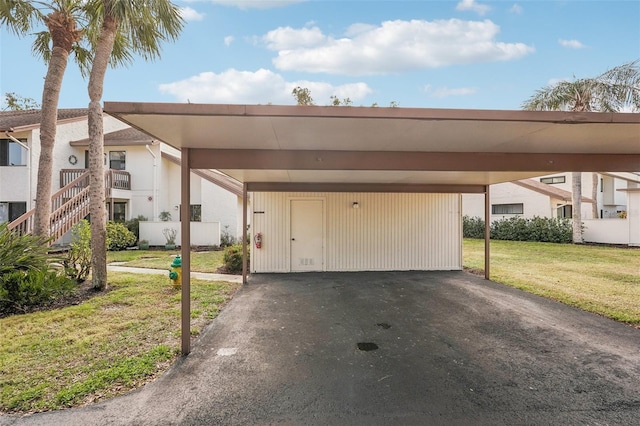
(355, 205)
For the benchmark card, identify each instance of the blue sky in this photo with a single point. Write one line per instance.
(433, 54)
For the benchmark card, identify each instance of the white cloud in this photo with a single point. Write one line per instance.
(392, 47)
(190, 14)
(259, 87)
(571, 44)
(287, 38)
(445, 92)
(256, 4)
(480, 9)
(228, 40)
(516, 8)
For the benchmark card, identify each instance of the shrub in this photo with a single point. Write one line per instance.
(27, 277)
(516, 228)
(77, 263)
(232, 259)
(21, 252)
(133, 225)
(472, 227)
(226, 239)
(119, 237)
(37, 287)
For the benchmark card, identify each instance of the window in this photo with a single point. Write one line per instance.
(507, 208)
(196, 213)
(12, 154)
(565, 212)
(553, 179)
(11, 211)
(117, 160)
(86, 159)
(119, 211)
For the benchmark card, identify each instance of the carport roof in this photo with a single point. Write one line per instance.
(366, 148)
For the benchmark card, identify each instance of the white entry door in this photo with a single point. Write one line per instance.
(307, 229)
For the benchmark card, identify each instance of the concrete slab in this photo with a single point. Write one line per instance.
(452, 349)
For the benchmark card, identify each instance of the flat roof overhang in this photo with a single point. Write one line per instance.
(355, 149)
(293, 145)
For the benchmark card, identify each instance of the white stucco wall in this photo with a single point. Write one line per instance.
(606, 231)
(387, 232)
(14, 185)
(202, 233)
(535, 204)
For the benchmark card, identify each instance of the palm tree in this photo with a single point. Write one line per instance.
(126, 27)
(611, 91)
(54, 45)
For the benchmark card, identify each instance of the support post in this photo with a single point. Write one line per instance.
(487, 233)
(185, 249)
(244, 233)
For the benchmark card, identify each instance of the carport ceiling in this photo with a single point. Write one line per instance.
(369, 147)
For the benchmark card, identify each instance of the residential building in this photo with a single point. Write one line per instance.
(142, 174)
(618, 196)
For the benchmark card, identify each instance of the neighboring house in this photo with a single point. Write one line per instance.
(550, 196)
(142, 175)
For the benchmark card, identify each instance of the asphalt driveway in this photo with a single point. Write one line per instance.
(388, 348)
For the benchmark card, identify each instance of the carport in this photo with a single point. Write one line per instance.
(383, 150)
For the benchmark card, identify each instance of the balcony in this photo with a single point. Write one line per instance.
(113, 179)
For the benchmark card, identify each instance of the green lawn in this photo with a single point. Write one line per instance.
(205, 261)
(103, 347)
(117, 341)
(598, 279)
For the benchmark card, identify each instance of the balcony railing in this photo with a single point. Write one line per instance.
(113, 179)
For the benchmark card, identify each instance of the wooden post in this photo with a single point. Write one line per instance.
(185, 249)
(487, 233)
(244, 233)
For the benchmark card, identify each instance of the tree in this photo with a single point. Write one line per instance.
(302, 95)
(126, 27)
(15, 102)
(611, 91)
(53, 45)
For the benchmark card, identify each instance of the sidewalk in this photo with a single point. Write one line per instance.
(117, 267)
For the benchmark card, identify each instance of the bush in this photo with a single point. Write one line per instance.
(22, 289)
(232, 259)
(27, 277)
(77, 263)
(516, 228)
(226, 239)
(472, 227)
(133, 225)
(119, 237)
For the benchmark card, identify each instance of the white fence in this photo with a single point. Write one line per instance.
(202, 233)
(606, 231)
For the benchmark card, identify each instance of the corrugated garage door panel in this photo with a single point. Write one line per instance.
(386, 232)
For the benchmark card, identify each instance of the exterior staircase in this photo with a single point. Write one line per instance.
(69, 206)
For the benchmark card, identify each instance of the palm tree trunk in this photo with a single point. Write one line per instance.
(48, 123)
(96, 153)
(594, 195)
(576, 206)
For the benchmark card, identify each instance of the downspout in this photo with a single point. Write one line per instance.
(25, 146)
(155, 183)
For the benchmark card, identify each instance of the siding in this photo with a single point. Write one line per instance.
(388, 231)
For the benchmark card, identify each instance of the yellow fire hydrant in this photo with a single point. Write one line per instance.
(175, 273)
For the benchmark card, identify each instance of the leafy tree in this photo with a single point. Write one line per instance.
(611, 91)
(60, 38)
(15, 102)
(302, 96)
(335, 101)
(126, 28)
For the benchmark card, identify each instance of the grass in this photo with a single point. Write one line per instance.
(120, 340)
(598, 279)
(102, 347)
(205, 261)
